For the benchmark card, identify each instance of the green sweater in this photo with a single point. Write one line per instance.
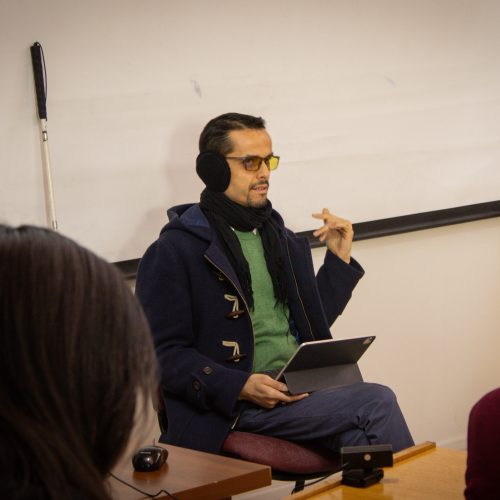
(274, 344)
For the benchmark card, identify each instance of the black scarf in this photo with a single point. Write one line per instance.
(224, 214)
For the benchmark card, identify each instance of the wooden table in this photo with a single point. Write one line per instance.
(190, 474)
(420, 472)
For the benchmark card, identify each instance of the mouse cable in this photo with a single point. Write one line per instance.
(144, 492)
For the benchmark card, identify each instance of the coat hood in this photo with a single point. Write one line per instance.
(188, 217)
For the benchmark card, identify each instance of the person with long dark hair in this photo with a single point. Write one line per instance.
(76, 359)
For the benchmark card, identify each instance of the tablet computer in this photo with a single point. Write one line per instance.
(324, 363)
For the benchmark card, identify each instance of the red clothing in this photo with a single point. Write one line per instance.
(483, 460)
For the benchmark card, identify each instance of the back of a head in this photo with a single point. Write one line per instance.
(215, 135)
(75, 352)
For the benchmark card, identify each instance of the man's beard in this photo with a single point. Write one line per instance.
(260, 201)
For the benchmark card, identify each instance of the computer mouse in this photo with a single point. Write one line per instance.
(149, 458)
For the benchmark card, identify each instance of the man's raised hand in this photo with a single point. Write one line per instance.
(337, 234)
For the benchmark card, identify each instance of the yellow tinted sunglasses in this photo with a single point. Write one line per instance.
(253, 163)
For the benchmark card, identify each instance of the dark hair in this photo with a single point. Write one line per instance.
(76, 354)
(215, 136)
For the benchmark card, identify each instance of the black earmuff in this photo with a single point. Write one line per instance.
(213, 170)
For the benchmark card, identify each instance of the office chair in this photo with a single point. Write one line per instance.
(289, 461)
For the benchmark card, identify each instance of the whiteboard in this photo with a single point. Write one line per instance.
(378, 108)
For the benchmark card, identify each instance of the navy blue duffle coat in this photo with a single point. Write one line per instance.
(190, 293)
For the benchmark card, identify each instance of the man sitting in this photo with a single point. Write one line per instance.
(230, 292)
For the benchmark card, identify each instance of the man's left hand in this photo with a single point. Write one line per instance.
(337, 234)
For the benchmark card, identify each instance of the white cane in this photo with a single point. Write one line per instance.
(40, 76)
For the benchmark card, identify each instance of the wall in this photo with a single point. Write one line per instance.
(390, 106)
(432, 298)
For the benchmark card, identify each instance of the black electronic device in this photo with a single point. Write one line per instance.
(366, 457)
(362, 465)
(361, 478)
(213, 169)
(149, 458)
